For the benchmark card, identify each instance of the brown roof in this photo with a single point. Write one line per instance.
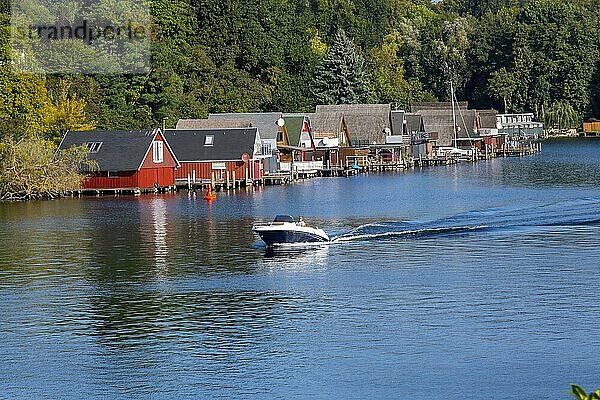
(488, 119)
(441, 105)
(324, 123)
(366, 123)
(211, 124)
(441, 121)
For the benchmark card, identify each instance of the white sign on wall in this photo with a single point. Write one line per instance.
(219, 165)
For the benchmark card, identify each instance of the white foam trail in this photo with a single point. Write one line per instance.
(367, 236)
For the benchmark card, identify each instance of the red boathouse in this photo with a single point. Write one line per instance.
(207, 153)
(126, 159)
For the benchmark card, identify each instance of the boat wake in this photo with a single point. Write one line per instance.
(577, 213)
(374, 231)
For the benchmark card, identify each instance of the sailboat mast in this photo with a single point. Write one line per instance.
(453, 114)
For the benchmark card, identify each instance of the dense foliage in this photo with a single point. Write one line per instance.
(579, 393)
(29, 169)
(234, 55)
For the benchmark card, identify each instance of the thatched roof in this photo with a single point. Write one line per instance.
(294, 123)
(366, 122)
(441, 121)
(488, 119)
(442, 105)
(326, 124)
(212, 124)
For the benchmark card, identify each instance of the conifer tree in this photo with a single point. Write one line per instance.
(341, 77)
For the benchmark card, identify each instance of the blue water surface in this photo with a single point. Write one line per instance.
(460, 282)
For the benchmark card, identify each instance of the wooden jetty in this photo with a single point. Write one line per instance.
(121, 191)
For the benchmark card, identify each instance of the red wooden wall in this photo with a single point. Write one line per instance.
(204, 170)
(168, 160)
(143, 179)
(99, 180)
(162, 174)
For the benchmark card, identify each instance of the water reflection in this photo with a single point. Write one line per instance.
(297, 257)
(158, 209)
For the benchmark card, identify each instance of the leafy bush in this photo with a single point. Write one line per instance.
(580, 394)
(29, 169)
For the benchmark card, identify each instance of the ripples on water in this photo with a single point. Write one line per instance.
(454, 281)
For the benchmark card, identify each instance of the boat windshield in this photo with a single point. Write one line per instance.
(284, 218)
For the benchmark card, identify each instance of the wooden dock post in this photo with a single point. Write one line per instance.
(212, 180)
(189, 182)
(227, 180)
(194, 176)
(234, 181)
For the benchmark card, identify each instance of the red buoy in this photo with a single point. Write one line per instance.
(209, 196)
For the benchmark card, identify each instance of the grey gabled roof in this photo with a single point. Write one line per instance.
(366, 123)
(212, 123)
(228, 144)
(265, 122)
(398, 117)
(414, 123)
(120, 150)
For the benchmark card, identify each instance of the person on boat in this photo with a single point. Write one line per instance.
(301, 221)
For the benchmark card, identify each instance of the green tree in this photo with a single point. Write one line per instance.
(562, 115)
(341, 77)
(502, 85)
(67, 113)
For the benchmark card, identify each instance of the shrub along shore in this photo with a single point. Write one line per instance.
(29, 169)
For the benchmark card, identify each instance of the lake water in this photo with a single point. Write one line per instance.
(460, 282)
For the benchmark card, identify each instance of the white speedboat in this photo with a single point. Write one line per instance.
(284, 229)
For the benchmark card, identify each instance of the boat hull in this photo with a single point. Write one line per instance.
(272, 237)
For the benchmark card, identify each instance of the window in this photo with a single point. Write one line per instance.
(209, 140)
(266, 149)
(93, 147)
(157, 152)
(112, 174)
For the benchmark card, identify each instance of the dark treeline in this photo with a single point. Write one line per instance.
(261, 55)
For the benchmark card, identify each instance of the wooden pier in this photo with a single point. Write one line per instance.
(121, 191)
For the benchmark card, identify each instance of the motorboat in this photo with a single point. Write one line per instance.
(284, 229)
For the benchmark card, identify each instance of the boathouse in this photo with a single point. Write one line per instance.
(301, 143)
(217, 154)
(126, 159)
(439, 119)
(273, 133)
(520, 126)
(333, 144)
(414, 125)
(367, 124)
(492, 138)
